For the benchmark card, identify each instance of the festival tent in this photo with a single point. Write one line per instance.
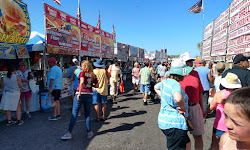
(36, 42)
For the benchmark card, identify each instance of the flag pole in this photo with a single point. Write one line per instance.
(80, 46)
(100, 35)
(203, 30)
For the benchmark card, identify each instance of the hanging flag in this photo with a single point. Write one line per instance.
(114, 31)
(99, 22)
(197, 8)
(58, 2)
(79, 16)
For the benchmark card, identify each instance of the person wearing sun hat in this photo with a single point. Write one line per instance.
(240, 69)
(220, 68)
(192, 86)
(100, 94)
(173, 96)
(231, 82)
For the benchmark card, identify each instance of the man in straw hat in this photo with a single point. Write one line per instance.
(192, 86)
(240, 69)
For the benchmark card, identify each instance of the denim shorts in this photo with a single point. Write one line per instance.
(218, 132)
(98, 98)
(145, 88)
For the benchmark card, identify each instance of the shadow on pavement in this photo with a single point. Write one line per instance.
(123, 127)
(119, 108)
(125, 115)
(128, 99)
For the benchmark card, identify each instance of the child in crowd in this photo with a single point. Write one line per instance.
(237, 120)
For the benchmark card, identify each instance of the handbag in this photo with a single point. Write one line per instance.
(189, 122)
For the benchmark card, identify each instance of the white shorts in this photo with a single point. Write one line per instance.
(135, 80)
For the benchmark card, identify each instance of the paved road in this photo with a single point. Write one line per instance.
(130, 126)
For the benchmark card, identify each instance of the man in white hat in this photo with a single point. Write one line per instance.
(192, 86)
(70, 75)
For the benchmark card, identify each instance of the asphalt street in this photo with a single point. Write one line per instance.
(129, 126)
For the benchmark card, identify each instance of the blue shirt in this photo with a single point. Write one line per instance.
(169, 117)
(56, 74)
(155, 66)
(71, 71)
(76, 78)
(203, 73)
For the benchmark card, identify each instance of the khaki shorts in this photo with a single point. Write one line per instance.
(113, 88)
(196, 115)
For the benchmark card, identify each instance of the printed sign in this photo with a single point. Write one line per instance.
(133, 51)
(22, 51)
(8, 51)
(1, 51)
(14, 22)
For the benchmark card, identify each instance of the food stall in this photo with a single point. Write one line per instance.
(14, 34)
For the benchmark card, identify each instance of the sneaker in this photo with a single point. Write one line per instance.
(52, 118)
(90, 134)
(20, 122)
(145, 103)
(28, 115)
(58, 117)
(66, 137)
(10, 122)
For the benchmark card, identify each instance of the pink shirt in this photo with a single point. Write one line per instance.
(135, 72)
(219, 122)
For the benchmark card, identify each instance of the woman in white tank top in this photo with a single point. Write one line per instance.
(11, 84)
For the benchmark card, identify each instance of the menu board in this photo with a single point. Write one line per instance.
(14, 22)
(207, 40)
(8, 51)
(239, 29)
(133, 51)
(22, 51)
(90, 41)
(141, 53)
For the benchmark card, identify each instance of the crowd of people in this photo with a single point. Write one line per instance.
(184, 91)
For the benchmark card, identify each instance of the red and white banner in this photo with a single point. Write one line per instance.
(208, 31)
(239, 32)
(221, 52)
(239, 49)
(243, 21)
(237, 8)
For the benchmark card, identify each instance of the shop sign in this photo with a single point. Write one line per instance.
(224, 17)
(218, 52)
(239, 40)
(122, 51)
(107, 46)
(242, 22)
(90, 41)
(8, 51)
(208, 31)
(22, 51)
(220, 46)
(241, 5)
(14, 22)
(220, 34)
(239, 32)
(141, 53)
(222, 40)
(59, 35)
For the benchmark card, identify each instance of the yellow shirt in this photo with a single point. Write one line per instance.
(114, 73)
(102, 81)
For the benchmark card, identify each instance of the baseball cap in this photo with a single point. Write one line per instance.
(74, 60)
(238, 58)
(51, 59)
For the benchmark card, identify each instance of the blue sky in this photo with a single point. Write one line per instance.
(141, 23)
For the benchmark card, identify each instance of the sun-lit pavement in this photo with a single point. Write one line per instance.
(130, 125)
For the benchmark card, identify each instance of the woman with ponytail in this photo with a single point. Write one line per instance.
(11, 84)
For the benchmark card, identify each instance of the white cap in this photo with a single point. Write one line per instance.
(74, 60)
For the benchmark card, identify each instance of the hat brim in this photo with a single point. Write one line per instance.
(97, 65)
(193, 59)
(181, 72)
(230, 86)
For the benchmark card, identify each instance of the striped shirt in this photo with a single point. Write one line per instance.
(145, 73)
(169, 117)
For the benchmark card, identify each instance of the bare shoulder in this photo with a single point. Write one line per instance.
(223, 139)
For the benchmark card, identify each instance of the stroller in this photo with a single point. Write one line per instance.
(152, 93)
